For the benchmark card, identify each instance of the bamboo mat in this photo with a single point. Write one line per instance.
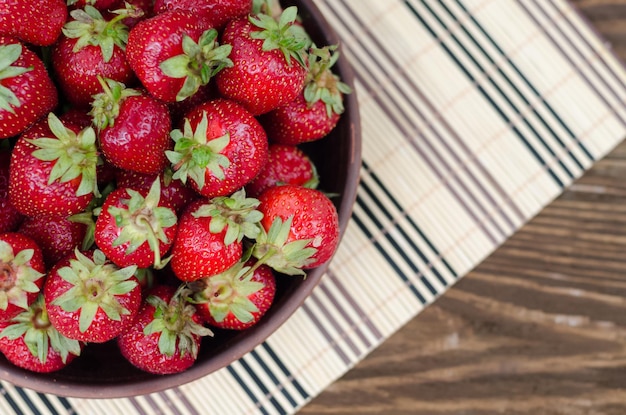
(475, 115)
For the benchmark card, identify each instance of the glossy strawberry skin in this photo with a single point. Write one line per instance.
(35, 22)
(259, 80)
(139, 137)
(154, 40)
(298, 122)
(143, 350)
(34, 89)
(101, 5)
(286, 164)
(10, 217)
(314, 217)
(29, 190)
(197, 252)
(217, 12)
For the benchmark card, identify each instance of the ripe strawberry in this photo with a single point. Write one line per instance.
(262, 42)
(101, 5)
(237, 298)
(301, 229)
(174, 53)
(26, 90)
(166, 335)
(90, 299)
(133, 128)
(221, 148)
(216, 12)
(10, 217)
(53, 169)
(210, 234)
(90, 47)
(316, 110)
(21, 273)
(57, 236)
(135, 228)
(31, 342)
(174, 193)
(286, 164)
(35, 22)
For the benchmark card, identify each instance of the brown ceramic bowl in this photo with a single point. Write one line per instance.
(101, 372)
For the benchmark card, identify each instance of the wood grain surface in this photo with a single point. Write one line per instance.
(538, 328)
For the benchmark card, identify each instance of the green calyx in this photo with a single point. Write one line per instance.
(271, 248)
(230, 292)
(39, 335)
(90, 28)
(236, 213)
(198, 63)
(17, 277)
(9, 54)
(321, 83)
(75, 155)
(194, 153)
(95, 283)
(174, 322)
(105, 107)
(282, 34)
(143, 220)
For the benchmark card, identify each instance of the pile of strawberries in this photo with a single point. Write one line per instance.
(152, 182)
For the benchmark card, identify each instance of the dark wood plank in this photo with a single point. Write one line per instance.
(538, 328)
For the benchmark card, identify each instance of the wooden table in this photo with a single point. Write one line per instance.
(538, 328)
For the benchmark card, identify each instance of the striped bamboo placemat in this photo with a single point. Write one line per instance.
(475, 115)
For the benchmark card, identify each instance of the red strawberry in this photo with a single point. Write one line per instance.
(133, 128)
(315, 112)
(26, 90)
(237, 298)
(10, 217)
(90, 47)
(286, 164)
(101, 5)
(262, 42)
(36, 22)
(210, 234)
(174, 193)
(217, 12)
(221, 148)
(135, 228)
(53, 169)
(21, 273)
(90, 299)
(31, 342)
(174, 53)
(166, 335)
(301, 229)
(57, 236)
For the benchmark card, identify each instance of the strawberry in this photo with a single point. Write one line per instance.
(174, 193)
(133, 128)
(57, 236)
(316, 110)
(53, 169)
(31, 342)
(27, 92)
(286, 164)
(90, 47)
(210, 234)
(262, 42)
(135, 228)
(237, 298)
(221, 148)
(90, 299)
(10, 217)
(166, 336)
(101, 5)
(21, 273)
(174, 53)
(300, 229)
(216, 12)
(38, 22)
